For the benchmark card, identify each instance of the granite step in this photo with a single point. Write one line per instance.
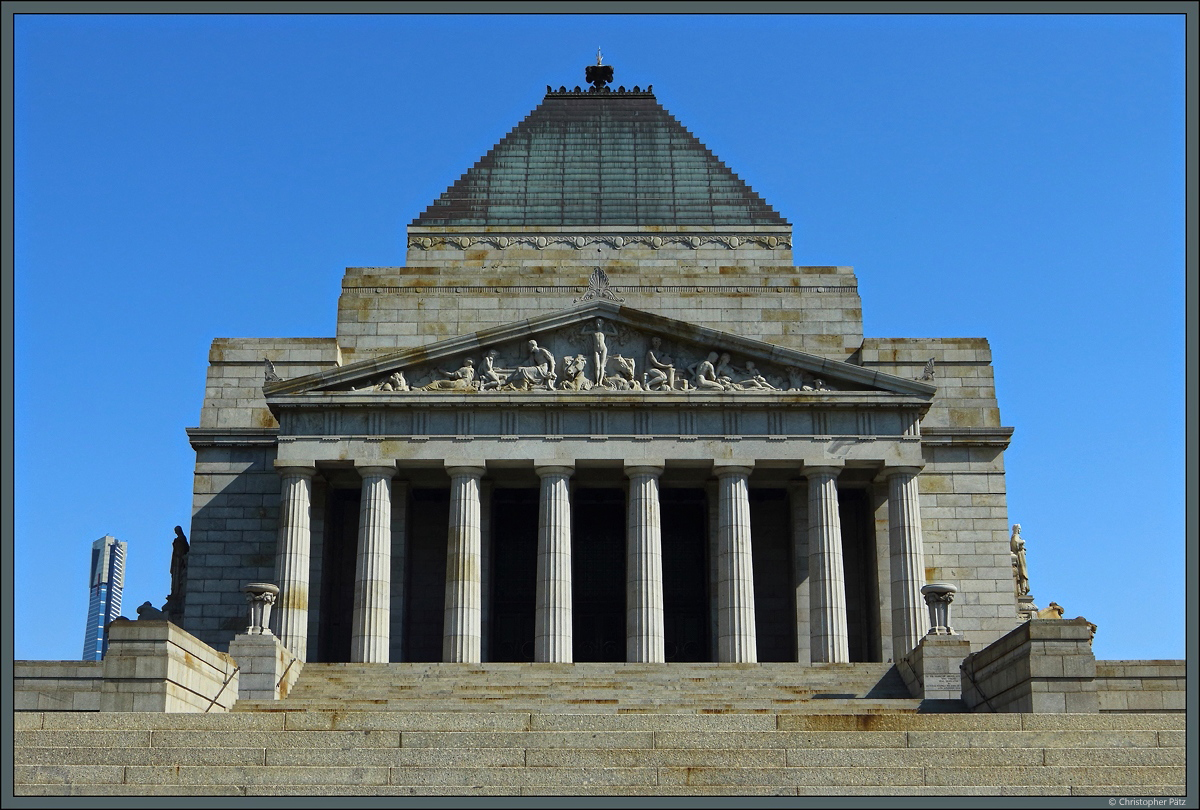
(305, 751)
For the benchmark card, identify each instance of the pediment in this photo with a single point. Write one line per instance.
(561, 352)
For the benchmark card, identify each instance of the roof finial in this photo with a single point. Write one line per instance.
(598, 74)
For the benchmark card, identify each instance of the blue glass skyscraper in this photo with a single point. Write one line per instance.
(107, 582)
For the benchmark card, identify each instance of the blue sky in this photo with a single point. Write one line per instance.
(1020, 178)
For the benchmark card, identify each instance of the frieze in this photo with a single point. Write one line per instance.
(616, 241)
(598, 356)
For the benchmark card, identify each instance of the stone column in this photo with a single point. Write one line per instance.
(737, 640)
(829, 639)
(910, 621)
(644, 639)
(371, 628)
(553, 641)
(798, 500)
(292, 555)
(462, 633)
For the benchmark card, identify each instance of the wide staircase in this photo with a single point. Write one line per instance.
(599, 688)
(598, 729)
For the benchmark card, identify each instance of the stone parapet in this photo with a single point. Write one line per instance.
(1141, 686)
(57, 686)
(1044, 665)
(153, 666)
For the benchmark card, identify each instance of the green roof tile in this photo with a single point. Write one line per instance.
(610, 158)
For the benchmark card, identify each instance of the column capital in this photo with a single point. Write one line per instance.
(654, 469)
(465, 470)
(544, 469)
(306, 469)
(723, 468)
(822, 469)
(899, 469)
(365, 468)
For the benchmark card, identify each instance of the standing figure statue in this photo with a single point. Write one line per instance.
(1016, 544)
(175, 599)
(599, 346)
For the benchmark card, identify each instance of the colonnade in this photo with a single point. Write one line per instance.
(645, 642)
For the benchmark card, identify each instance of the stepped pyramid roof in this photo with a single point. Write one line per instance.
(599, 157)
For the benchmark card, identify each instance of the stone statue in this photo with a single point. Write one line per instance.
(175, 599)
(626, 377)
(795, 379)
(707, 378)
(461, 380)
(489, 376)
(148, 612)
(575, 373)
(659, 372)
(539, 372)
(754, 380)
(1016, 545)
(395, 382)
(599, 346)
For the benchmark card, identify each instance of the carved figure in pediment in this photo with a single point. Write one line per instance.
(597, 334)
(659, 373)
(575, 374)
(795, 378)
(538, 374)
(394, 382)
(754, 380)
(819, 385)
(707, 378)
(490, 377)
(461, 380)
(626, 377)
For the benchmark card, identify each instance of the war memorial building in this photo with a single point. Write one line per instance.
(600, 492)
(600, 415)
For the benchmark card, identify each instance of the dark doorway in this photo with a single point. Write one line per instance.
(598, 574)
(774, 596)
(340, 550)
(684, 514)
(858, 562)
(514, 573)
(428, 524)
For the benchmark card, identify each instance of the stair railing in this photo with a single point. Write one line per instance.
(975, 683)
(230, 678)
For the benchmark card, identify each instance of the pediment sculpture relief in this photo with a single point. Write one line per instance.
(597, 356)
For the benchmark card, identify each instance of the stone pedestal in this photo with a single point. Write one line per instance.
(266, 668)
(931, 669)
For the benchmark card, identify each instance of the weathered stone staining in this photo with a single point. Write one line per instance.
(589, 422)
